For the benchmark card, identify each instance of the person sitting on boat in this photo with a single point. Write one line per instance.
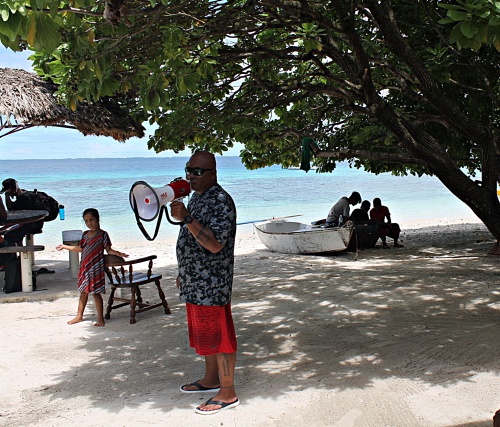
(386, 229)
(342, 209)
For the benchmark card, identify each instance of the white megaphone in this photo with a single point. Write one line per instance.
(148, 200)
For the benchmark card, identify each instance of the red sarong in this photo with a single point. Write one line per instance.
(211, 329)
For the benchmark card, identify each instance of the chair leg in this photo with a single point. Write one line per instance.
(110, 303)
(162, 297)
(133, 290)
(139, 295)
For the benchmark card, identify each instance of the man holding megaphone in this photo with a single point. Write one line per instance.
(205, 254)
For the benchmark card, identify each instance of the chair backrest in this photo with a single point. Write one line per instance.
(115, 267)
(110, 260)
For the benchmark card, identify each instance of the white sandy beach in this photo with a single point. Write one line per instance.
(400, 337)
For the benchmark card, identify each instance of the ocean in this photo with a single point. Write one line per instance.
(259, 194)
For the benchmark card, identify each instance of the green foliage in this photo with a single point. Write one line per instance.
(476, 22)
(248, 72)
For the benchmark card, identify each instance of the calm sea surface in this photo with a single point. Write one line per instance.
(260, 194)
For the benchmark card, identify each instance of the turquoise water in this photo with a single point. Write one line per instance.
(260, 194)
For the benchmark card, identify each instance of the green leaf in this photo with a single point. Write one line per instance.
(476, 43)
(42, 32)
(468, 28)
(455, 34)
(494, 21)
(446, 20)
(457, 15)
(11, 27)
(310, 45)
(98, 71)
(181, 84)
(448, 6)
(110, 86)
(30, 37)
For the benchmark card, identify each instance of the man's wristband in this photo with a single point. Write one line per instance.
(188, 219)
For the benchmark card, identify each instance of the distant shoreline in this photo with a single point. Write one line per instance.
(247, 240)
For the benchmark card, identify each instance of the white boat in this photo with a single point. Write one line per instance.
(288, 237)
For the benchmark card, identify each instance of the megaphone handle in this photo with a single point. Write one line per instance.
(168, 216)
(141, 227)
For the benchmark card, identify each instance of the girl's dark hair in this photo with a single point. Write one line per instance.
(91, 211)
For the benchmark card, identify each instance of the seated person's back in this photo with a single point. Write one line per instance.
(361, 214)
(17, 199)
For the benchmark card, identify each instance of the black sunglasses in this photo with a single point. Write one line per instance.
(196, 171)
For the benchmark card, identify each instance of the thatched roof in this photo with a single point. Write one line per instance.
(26, 101)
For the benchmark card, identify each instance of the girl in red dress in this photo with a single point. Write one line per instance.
(91, 278)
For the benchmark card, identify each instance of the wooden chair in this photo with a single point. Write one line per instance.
(121, 275)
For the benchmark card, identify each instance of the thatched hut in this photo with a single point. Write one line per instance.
(26, 100)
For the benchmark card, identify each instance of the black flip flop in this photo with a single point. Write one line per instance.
(223, 406)
(200, 388)
(44, 270)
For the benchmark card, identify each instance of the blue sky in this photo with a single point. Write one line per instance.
(54, 143)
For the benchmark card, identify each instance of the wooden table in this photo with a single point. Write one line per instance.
(23, 217)
(26, 255)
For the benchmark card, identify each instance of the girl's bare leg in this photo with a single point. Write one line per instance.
(82, 303)
(99, 306)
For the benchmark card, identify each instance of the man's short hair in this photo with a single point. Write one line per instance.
(355, 197)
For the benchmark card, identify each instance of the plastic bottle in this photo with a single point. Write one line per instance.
(61, 212)
(341, 220)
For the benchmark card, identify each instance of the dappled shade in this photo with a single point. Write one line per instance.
(26, 100)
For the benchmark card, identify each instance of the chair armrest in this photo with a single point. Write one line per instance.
(138, 260)
(117, 261)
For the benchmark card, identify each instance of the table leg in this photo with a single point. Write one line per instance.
(74, 264)
(26, 271)
(30, 241)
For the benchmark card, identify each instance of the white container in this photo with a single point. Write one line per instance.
(72, 238)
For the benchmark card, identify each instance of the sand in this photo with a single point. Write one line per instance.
(400, 337)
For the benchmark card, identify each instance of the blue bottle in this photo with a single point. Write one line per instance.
(61, 212)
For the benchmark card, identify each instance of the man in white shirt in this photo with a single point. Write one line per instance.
(342, 207)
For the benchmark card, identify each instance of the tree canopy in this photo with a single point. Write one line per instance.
(407, 86)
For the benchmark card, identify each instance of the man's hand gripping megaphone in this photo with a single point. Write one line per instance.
(179, 211)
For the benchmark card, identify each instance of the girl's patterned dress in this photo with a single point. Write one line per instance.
(91, 279)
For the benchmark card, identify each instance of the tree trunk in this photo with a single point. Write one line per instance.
(482, 199)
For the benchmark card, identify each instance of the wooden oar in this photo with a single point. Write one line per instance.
(268, 219)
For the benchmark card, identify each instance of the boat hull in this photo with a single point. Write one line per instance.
(297, 238)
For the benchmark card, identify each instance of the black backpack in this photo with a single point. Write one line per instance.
(37, 200)
(45, 202)
(13, 276)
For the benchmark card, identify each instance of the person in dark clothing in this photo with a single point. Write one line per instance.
(15, 200)
(365, 231)
(3, 242)
(361, 214)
